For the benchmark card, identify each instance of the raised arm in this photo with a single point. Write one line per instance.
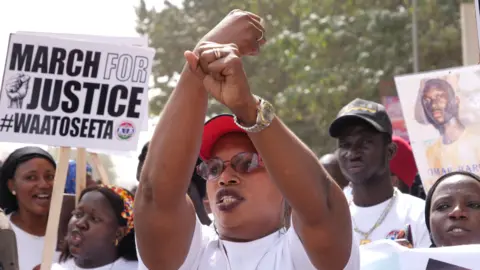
(164, 216)
(321, 216)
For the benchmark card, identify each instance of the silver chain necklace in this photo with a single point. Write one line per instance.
(383, 215)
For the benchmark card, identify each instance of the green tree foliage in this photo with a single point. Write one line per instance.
(319, 55)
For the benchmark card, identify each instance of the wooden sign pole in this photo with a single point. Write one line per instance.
(81, 173)
(100, 169)
(55, 208)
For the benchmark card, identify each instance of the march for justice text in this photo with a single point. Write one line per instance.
(54, 95)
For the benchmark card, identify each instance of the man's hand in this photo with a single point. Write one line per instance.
(242, 28)
(221, 69)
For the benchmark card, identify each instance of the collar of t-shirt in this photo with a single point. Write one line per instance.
(238, 251)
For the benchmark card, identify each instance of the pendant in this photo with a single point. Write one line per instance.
(364, 241)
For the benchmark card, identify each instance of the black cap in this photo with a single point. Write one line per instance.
(371, 112)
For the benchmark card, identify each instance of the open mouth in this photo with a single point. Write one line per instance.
(42, 198)
(76, 238)
(228, 199)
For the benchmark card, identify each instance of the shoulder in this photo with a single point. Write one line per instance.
(69, 264)
(122, 264)
(299, 257)
(411, 202)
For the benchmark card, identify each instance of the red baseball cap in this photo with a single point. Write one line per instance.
(403, 163)
(215, 128)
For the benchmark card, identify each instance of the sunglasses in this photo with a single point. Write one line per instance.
(211, 169)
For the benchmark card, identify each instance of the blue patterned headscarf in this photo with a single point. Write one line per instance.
(72, 174)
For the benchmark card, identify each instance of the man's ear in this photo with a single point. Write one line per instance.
(391, 150)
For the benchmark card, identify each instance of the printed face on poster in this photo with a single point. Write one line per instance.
(442, 113)
(63, 92)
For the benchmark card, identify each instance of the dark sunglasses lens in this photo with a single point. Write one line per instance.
(214, 168)
(245, 162)
(202, 170)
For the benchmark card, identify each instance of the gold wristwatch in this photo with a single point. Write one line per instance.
(265, 115)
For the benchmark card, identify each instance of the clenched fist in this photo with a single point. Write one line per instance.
(17, 88)
(221, 69)
(242, 28)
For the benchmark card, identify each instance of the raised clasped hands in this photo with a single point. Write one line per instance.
(242, 28)
(220, 68)
(216, 60)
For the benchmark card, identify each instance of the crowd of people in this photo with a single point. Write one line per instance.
(242, 191)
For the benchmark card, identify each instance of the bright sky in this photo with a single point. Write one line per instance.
(93, 17)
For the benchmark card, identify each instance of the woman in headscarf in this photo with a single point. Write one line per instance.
(100, 232)
(26, 184)
(452, 210)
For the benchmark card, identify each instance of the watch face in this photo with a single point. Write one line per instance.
(267, 111)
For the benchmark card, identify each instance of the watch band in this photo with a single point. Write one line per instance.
(265, 115)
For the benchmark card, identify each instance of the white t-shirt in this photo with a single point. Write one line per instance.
(406, 209)
(120, 264)
(277, 251)
(30, 248)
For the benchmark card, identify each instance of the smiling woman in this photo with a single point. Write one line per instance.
(26, 184)
(100, 232)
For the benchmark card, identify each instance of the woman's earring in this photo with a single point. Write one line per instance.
(116, 242)
(14, 193)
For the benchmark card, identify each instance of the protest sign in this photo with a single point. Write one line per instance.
(394, 111)
(477, 12)
(131, 41)
(74, 93)
(442, 113)
(386, 254)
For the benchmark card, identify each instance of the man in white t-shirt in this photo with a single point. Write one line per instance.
(255, 168)
(379, 211)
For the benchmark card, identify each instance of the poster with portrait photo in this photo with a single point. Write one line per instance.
(442, 114)
(477, 13)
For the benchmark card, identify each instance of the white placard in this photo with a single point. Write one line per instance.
(63, 92)
(132, 41)
(441, 110)
(386, 254)
(477, 12)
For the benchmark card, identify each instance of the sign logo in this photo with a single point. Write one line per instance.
(125, 130)
(392, 235)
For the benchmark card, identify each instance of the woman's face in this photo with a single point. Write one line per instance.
(32, 185)
(93, 228)
(258, 204)
(455, 212)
